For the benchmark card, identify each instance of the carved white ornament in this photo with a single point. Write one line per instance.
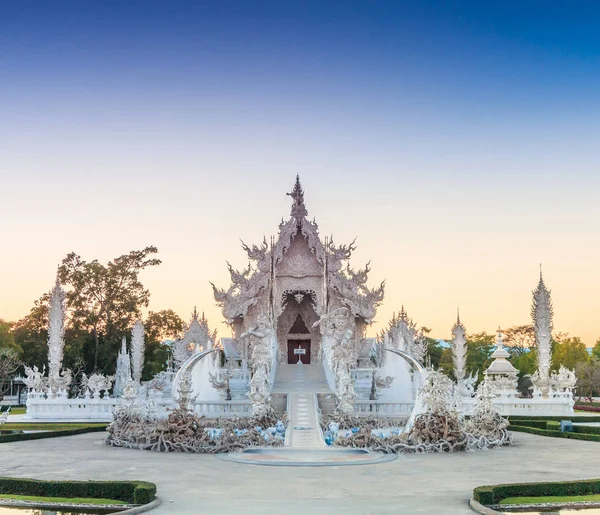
(138, 348)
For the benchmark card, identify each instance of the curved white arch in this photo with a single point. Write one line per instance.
(418, 407)
(187, 365)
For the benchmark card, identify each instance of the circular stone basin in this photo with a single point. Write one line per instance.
(320, 457)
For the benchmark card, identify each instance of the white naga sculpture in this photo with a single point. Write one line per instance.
(340, 356)
(58, 379)
(138, 348)
(402, 335)
(465, 383)
(259, 341)
(197, 338)
(123, 373)
(541, 312)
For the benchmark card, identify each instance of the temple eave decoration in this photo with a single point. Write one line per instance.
(297, 259)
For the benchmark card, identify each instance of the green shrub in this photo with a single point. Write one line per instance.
(487, 495)
(557, 433)
(572, 418)
(19, 437)
(131, 492)
(540, 424)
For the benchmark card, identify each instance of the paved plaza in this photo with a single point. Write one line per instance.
(192, 484)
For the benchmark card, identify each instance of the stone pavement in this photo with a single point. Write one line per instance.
(419, 484)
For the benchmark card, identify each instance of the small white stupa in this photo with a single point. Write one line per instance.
(502, 374)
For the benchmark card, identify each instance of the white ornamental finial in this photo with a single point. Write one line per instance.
(541, 312)
(56, 334)
(138, 347)
(298, 208)
(459, 350)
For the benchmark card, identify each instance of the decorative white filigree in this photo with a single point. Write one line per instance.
(96, 383)
(502, 376)
(123, 373)
(564, 380)
(340, 356)
(58, 380)
(465, 383)
(486, 428)
(138, 347)
(259, 340)
(541, 312)
(35, 380)
(327, 261)
(197, 338)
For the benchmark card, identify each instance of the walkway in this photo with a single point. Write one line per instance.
(415, 484)
(301, 383)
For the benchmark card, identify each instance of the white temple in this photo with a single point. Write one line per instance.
(298, 315)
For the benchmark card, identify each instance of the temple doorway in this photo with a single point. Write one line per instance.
(299, 351)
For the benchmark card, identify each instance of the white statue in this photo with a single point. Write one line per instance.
(57, 381)
(465, 383)
(259, 340)
(34, 379)
(564, 380)
(96, 383)
(138, 348)
(340, 356)
(197, 338)
(123, 373)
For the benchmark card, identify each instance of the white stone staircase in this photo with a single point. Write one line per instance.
(301, 383)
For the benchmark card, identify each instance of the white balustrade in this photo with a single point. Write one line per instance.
(224, 409)
(383, 409)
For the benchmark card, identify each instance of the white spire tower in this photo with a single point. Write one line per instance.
(138, 347)
(459, 350)
(123, 369)
(541, 312)
(56, 335)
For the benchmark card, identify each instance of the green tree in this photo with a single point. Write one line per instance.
(588, 377)
(596, 349)
(105, 300)
(479, 349)
(7, 339)
(568, 352)
(160, 326)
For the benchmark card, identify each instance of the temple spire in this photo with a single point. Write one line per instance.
(542, 313)
(298, 208)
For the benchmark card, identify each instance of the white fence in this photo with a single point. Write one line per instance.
(223, 409)
(383, 409)
(61, 408)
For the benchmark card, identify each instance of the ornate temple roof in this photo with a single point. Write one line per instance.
(249, 284)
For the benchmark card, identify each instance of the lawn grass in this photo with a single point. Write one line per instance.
(550, 498)
(70, 500)
(18, 411)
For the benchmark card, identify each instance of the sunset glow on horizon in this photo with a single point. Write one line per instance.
(459, 146)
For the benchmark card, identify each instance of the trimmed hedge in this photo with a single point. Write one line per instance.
(572, 418)
(493, 494)
(552, 428)
(576, 435)
(131, 492)
(540, 424)
(19, 437)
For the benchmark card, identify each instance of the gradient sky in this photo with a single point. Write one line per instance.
(458, 140)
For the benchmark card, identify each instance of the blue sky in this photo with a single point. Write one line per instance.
(457, 139)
